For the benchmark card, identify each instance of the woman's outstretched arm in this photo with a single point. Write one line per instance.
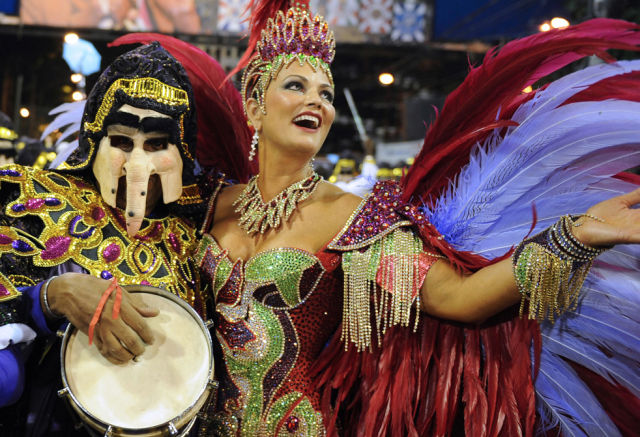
(473, 298)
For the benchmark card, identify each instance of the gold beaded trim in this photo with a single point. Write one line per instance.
(143, 87)
(550, 269)
(391, 307)
(190, 195)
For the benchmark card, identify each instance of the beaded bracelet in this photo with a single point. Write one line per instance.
(591, 216)
(567, 244)
(550, 269)
(48, 312)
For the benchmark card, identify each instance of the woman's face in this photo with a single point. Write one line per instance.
(299, 110)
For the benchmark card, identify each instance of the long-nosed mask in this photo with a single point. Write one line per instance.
(139, 143)
(138, 136)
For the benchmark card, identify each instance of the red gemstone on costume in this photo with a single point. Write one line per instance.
(55, 247)
(111, 252)
(5, 239)
(4, 291)
(97, 213)
(145, 282)
(292, 424)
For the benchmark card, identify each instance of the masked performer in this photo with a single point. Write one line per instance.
(292, 259)
(122, 207)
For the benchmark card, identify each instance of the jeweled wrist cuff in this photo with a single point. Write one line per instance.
(550, 269)
(48, 312)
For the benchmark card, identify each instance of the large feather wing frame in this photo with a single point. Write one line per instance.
(493, 90)
(560, 158)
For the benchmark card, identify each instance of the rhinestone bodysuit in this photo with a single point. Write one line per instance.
(276, 311)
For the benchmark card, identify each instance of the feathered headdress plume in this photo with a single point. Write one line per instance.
(486, 98)
(260, 12)
(223, 134)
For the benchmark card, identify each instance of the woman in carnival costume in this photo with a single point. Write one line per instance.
(375, 316)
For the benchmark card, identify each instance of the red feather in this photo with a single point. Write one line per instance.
(261, 11)
(628, 177)
(223, 134)
(476, 408)
(621, 405)
(496, 84)
(622, 87)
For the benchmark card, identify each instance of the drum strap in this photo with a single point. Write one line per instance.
(103, 300)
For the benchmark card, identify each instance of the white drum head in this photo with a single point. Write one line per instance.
(163, 382)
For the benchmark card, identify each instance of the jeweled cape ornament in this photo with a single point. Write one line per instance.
(258, 216)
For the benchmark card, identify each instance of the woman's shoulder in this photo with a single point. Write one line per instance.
(338, 198)
(334, 207)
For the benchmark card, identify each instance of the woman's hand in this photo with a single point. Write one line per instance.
(621, 223)
(76, 296)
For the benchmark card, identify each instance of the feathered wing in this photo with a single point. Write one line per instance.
(223, 134)
(492, 90)
(68, 117)
(567, 142)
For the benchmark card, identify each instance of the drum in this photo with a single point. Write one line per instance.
(161, 392)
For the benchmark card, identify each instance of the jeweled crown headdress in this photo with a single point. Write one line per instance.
(288, 37)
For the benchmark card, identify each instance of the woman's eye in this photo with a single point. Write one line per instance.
(155, 144)
(121, 142)
(327, 95)
(294, 85)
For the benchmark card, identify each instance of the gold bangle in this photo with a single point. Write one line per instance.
(47, 309)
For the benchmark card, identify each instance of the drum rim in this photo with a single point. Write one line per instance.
(139, 288)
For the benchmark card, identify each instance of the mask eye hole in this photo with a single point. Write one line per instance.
(156, 144)
(121, 142)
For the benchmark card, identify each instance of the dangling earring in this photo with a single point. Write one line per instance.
(254, 145)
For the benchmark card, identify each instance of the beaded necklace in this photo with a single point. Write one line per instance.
(258, 216)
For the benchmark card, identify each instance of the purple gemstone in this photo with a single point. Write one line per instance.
(10, 173)
(175, 243)
(18, 207)
(5, 239)
(3, 290)
(55, 247)
(72, 226)
(35, 203)
(51, 201)
(105, 274)
(111, 252)
(21, 246)
(145, 282)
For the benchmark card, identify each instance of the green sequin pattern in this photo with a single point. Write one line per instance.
(283, 267)
(254, 335)
(302, 421)
(248, 368)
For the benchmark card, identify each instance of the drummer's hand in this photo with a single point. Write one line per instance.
(76, 296)
(621, 222)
